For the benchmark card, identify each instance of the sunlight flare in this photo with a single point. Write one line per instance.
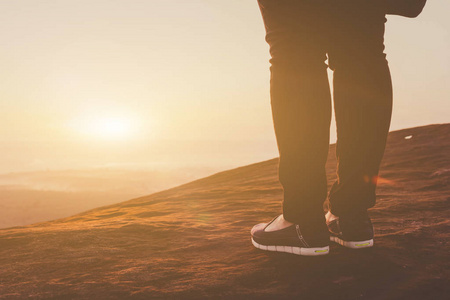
(111, 127)
(105, 127)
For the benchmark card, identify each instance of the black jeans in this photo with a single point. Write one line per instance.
(301, 33)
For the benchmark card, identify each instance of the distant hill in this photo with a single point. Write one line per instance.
(31, 197)
(193, 241)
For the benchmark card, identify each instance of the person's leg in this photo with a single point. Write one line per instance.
(363, 104)
(301, 105)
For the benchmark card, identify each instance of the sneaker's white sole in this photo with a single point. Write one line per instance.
(353, 245)
(294, 250)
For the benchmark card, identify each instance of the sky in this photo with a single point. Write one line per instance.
(171, 83)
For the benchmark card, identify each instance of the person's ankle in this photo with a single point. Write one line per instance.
(350, 214)
(354, 215)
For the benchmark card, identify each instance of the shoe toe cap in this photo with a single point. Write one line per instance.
(258, 227)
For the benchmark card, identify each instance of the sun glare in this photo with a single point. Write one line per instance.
(111, 127)
(105, 127)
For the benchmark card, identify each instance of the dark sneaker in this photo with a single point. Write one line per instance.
(352, 232)
(289, 240)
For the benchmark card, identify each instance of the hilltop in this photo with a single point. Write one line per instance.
(193, 241)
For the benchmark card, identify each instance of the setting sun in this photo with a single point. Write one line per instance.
(107, 127)
(111, 127)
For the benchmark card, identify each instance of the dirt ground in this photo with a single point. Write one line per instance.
(193, 241)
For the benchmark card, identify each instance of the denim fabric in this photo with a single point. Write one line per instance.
(302, 34)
